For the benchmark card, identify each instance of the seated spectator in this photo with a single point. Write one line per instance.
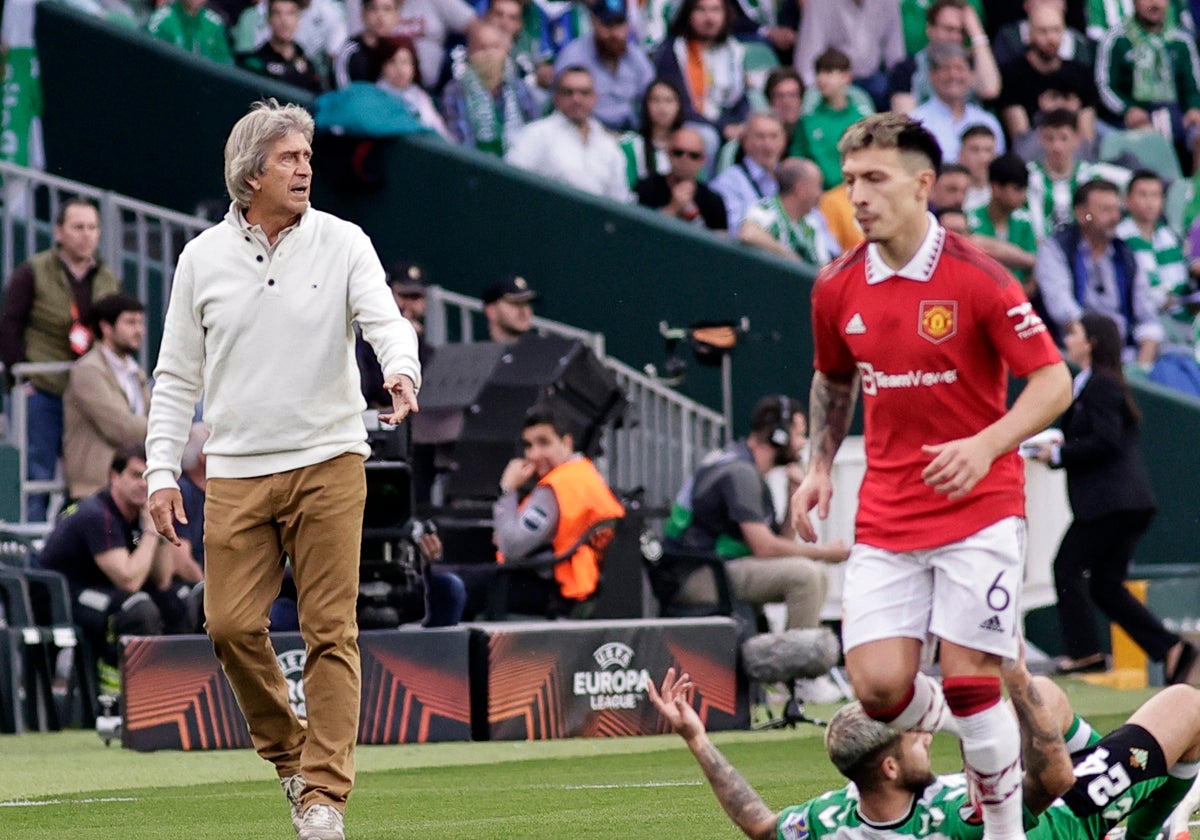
(789, 224)
(949, 111)
(647, 149)
(107, 396)
(381, 19)
(508, 307)
(950, 188)
(868, 31)
(568, 498)
(678, 194)
(398, 72)
(785, 99)
(1148, 77)
(977, 152)
(1159, 252)
(620, 71)
(570, 145)
(1103, 16)
(1054, 180)
(726, 507)
(753, 177)
(817, 136)
(914, 22)
(949, 22)
(510, 16)
(1085, 267)
(487, 103)
(428, 23)
(320, 32)
(774, 24)
(191, 26)
(280, 57)
(117, 567)
(1013, 38)
(1040, 67)
(706, 64)
(1002, 228)
(409, 285)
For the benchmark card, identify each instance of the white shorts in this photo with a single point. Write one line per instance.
(965, 592)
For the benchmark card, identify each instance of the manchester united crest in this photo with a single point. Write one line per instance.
(938, 320)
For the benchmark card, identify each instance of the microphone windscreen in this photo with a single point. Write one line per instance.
(792, 654)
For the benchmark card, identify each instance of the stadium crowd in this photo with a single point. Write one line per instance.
(696, 108)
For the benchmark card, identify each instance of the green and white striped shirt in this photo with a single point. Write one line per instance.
(1161, 257)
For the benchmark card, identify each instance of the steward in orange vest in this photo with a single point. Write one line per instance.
(570, 497)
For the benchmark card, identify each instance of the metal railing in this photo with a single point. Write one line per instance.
(139, 242)
(19, 435)
(664, 435)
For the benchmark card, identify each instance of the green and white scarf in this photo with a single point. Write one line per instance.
(491, 129)
(1153, 78)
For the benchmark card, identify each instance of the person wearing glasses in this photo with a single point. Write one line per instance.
(678, 194)
(571, 145)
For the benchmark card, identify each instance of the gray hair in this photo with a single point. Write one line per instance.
(792, 171)
(940, 54)
(853, 736)
(252, 138)
(197, 437)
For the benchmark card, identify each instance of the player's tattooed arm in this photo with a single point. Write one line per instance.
(740, 801)
(1048, 769)
(830, 408)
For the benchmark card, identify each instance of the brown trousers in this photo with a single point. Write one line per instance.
(314, 515)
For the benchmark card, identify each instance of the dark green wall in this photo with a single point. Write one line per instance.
(143, 119)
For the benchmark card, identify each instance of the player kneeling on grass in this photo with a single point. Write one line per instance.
(1075, 789)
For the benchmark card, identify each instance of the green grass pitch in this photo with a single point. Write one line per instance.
(69, 785)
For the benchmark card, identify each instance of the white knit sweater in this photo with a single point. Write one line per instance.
(265, 334)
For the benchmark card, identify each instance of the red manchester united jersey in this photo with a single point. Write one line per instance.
(933, 344)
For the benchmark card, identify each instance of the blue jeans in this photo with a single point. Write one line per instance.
(44, 428)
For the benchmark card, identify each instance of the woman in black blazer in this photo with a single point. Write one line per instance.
(1113, 504)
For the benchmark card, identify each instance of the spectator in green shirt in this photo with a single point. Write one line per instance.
(818, 132)
(1002, 227)
(190, 25)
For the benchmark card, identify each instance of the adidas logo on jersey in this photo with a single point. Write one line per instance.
(992, 624)
(856, 325)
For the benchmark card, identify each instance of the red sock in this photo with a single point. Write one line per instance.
(967, 696)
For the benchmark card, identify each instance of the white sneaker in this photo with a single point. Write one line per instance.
(293, 789)
(820, 689)
(322, 822)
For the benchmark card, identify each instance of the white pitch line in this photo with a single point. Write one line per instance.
(631, 785)
(35, 803)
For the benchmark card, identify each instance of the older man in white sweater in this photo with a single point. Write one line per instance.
(260, 323)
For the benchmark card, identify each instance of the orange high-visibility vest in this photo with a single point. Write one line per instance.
(583, 500)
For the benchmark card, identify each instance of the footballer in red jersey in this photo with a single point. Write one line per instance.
(930, 327)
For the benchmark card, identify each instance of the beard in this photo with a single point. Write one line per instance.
(916, 783)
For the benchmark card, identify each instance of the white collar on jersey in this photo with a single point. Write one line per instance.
(919, 268)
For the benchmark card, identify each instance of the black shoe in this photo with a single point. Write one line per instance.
(1183, 666)
(1093, 664)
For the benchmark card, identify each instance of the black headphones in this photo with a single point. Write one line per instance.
(781, 435)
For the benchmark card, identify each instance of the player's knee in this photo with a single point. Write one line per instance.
(880, 700)
(138, 615)
(225, 629)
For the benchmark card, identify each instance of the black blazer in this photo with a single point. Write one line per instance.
(1100, 452)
